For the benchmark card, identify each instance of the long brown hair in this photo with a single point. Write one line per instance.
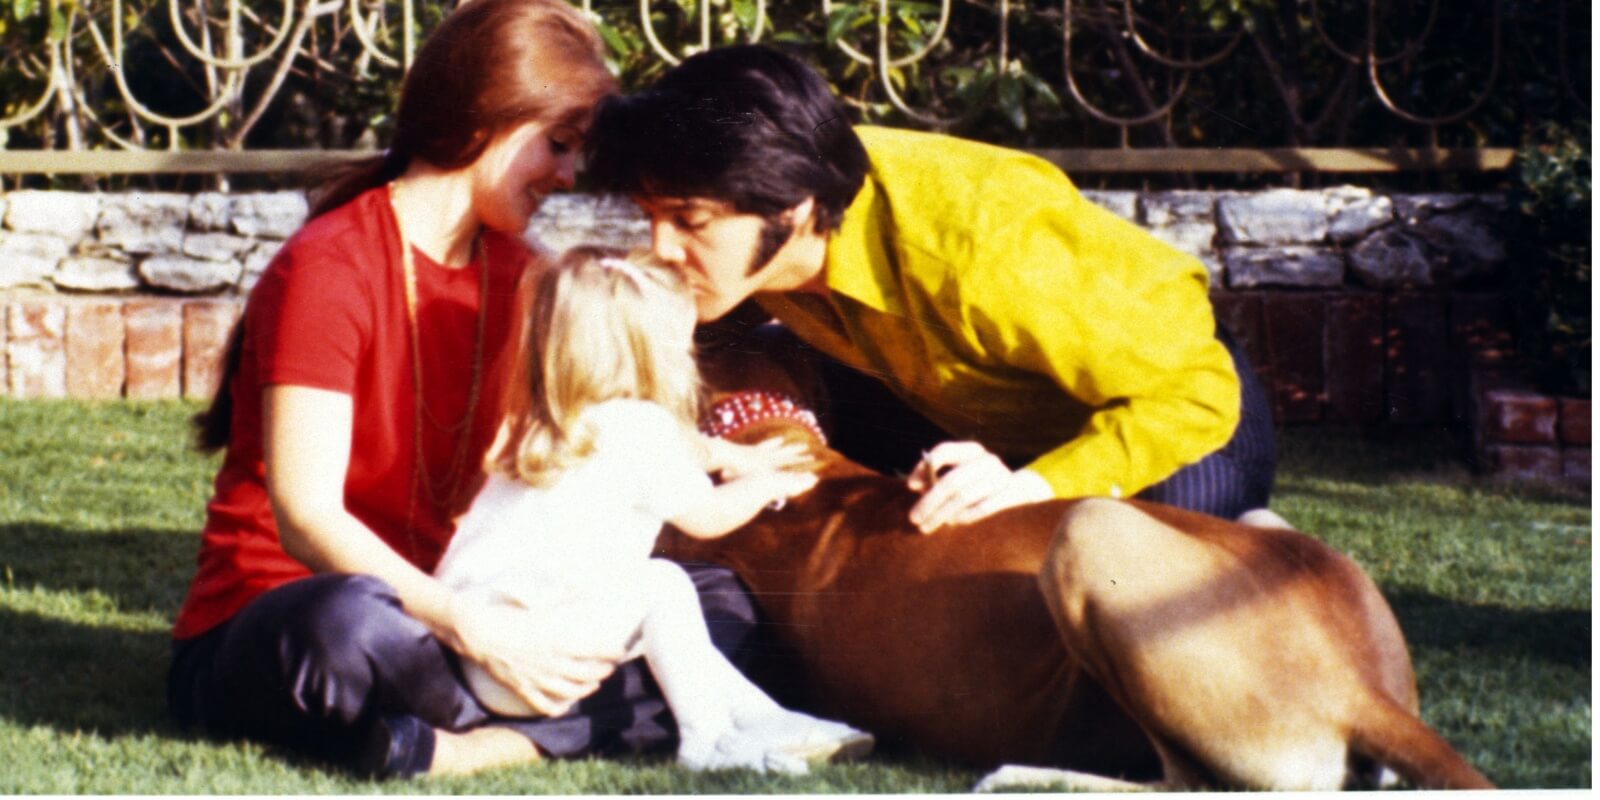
(490, 66)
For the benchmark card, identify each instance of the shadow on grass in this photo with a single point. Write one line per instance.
(1382, 456)
(137, 569)
(74, 677)
(65, 671)
(1560, 636)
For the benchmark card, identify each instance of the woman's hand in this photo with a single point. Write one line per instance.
(963, 482)
(769, 455)
(549, 662)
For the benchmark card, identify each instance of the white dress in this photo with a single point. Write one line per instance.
(603, 513)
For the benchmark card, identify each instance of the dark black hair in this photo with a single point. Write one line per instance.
(749, 126)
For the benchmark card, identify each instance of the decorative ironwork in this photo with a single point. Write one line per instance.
(241, 60)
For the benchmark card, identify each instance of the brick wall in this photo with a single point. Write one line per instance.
(111, 348)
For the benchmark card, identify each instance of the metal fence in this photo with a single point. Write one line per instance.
(77, 80)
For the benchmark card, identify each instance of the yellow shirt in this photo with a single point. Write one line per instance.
(1003, 306)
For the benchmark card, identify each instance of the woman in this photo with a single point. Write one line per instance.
(362, 392)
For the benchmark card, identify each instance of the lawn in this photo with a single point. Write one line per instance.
(100, 504)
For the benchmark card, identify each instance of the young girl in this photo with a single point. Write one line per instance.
(600, 454)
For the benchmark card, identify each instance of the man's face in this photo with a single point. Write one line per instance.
(714, 246)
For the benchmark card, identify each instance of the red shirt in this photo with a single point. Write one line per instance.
(330, 313)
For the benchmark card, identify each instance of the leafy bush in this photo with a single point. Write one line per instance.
(1553, 194)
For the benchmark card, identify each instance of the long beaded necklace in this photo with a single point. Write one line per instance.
(423, 480)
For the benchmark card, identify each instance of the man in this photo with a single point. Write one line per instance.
(1056, 349)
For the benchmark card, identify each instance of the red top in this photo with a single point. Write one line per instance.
(330, 313)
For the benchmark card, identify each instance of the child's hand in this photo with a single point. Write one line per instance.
(780, 485)
(770, 455)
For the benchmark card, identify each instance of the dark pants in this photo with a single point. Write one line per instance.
(868, 423)
(310, 664)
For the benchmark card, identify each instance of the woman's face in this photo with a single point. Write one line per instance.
(523, 166)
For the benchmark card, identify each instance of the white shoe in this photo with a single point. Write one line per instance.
(787, 742)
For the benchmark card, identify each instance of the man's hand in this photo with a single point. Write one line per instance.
(963, 482)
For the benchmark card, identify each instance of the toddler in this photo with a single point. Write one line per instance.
(600, 450)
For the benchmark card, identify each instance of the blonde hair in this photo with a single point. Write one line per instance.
(601, 325)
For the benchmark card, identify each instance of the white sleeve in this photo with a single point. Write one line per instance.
(654, 454)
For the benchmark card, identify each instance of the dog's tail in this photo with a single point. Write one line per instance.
(1395, 738)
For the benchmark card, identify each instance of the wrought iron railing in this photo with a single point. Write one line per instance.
(74, 88)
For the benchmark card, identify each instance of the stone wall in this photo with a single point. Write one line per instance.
(1356, 307)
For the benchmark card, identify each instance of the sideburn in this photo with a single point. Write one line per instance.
(776, 231)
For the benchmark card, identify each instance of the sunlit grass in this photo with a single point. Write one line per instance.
(100, 506)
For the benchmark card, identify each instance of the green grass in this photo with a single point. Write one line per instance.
(100, 505)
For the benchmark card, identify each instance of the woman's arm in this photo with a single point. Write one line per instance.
(302, 432)
(302, 429)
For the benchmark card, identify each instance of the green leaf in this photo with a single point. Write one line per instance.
(1012, 103)
(58, 23)
(745, 12)
(1039, 87)
(614, 39)
(845, 18)
(22, 9)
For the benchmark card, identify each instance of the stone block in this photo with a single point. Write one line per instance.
(96, 274)
(1194, 238)
(215, 246)
(1354, 357)
(28, 259)
(1355, 213)
(211, 211)
(268, 215)
(155, 348)
(1391, 259)
(565, 220)
(1277, 217)
(189, 275)
(1524, 462)
(206, 325)
(1295, 325)
(1464, 245)
(1576, 415)
(1417, 358)
(1164, 208)
(96, 364)
(144, 222)
(1519, 417)
(1575, 466)
(36, 349)
(65, 215)
(1293, 265)
(255, 263)
(1122, 203)
(1413, 208)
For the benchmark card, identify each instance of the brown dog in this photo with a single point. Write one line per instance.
(1117, 638)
